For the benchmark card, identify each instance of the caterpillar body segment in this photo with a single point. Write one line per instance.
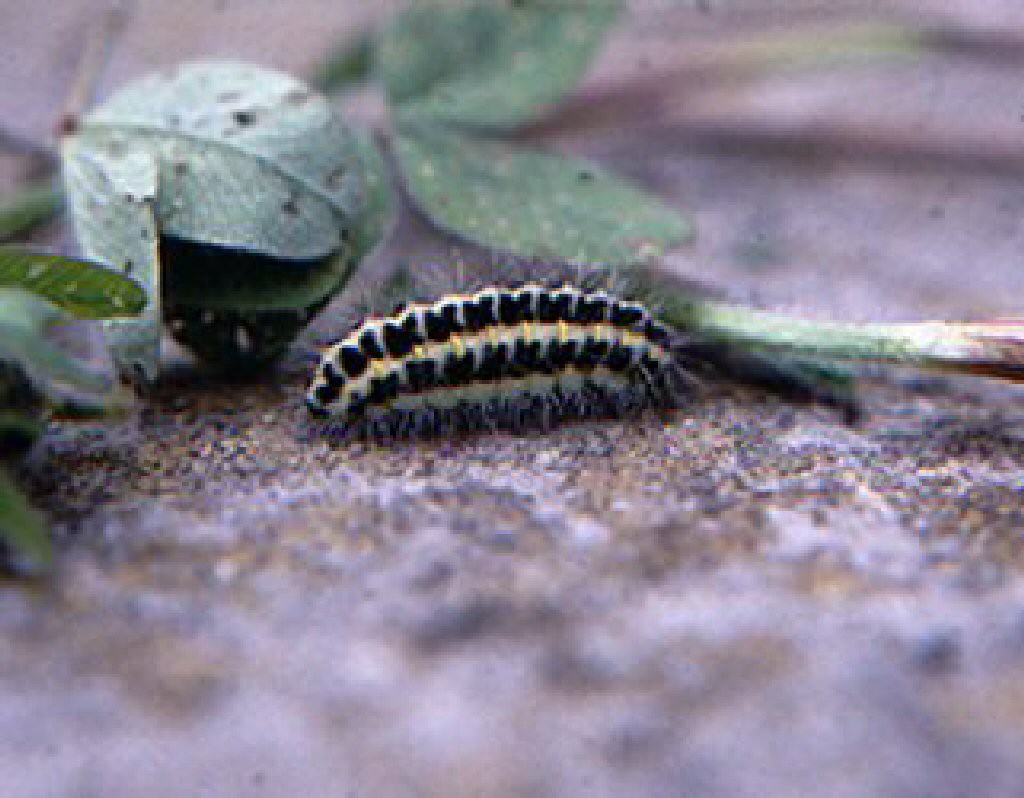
(496, 359)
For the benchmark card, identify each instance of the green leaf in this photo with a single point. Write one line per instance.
(532, 204)
(379, 213)
(83, 289)
(29, 207)
(245, 158)
(112, 193)
(224, 154)
(489, 65)
(23, 532)
(220, 280)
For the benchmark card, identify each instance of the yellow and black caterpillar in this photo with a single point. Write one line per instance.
(497, 359)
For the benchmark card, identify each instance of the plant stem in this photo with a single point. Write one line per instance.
(982, 348)
(99, 42)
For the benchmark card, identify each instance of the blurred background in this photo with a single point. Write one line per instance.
(858, 185)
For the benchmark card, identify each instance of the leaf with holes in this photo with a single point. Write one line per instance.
(223, 156)
(488, 65)
(112, 192)
(220, 279)
(533, 204)
(83, 289)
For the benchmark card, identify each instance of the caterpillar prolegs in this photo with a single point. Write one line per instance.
(497, 359)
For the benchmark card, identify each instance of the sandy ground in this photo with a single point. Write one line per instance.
(742, 598)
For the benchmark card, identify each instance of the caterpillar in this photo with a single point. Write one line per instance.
(496, 359)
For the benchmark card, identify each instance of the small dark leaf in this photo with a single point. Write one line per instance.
(18, 431)
(22, 532)
(83, 289)
(533, 204)
(488, 65)
(350, 63)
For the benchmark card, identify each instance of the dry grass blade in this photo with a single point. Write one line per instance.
(990, 349)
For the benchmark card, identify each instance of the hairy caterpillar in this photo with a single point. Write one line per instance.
(499, 358)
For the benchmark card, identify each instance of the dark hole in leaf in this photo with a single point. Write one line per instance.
(334, 177)
(244, 118)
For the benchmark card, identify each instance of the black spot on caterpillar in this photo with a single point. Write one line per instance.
(497, 359)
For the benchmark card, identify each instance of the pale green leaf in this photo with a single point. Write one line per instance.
(54, 373)
(532, 204)
(23, 532)
(28, 207)
(489, 65)
(223, 155)
(245, 157)
(83, 289)
(112, 194)
(380, 211)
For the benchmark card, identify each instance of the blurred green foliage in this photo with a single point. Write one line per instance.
(38, 292)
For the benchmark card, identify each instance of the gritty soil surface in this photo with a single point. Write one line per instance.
(745, 597)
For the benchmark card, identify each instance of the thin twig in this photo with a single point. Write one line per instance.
(893, 146)
(987, 348)
(95, 53)
(654, 103)
(707, 66)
